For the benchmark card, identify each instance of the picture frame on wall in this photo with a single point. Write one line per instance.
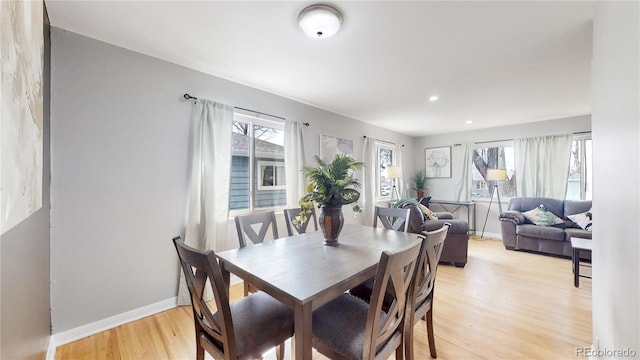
(331, 146)
(438, 162)
(22, 104)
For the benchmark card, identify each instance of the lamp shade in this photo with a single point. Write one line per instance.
(394, 172)
(320, 21)
(496, 174)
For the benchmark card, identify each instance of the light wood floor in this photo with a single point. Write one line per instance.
(502, 305)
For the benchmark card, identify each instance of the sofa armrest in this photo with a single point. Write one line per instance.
(444, 215)
(515, 217)
(455, 226)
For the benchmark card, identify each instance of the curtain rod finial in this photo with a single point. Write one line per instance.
(186, 96)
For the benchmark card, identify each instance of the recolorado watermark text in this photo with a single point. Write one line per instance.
(605, 353)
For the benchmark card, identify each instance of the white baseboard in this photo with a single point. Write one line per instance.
(51, 350)
(83, 331)
(489, 235)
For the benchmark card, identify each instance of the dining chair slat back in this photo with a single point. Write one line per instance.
(392, 218)
(425, 285)
(291, 214)
(224, 334)
(245, 227)
(348, 327)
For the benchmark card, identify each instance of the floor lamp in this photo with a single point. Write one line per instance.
(394, 173)
(494, 175)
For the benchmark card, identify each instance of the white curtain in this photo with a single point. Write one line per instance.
(368, 193)
(209, 184)
(461, 170)
(401, 181)
(542, 166)
(294, 161)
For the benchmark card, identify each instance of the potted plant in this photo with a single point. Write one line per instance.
(331, 186)
(419, 181)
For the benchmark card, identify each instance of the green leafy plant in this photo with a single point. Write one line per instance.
(419, 180)
(330, 184)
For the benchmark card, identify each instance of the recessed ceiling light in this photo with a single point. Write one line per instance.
(433, 98)
(468, 122)
(320, 21)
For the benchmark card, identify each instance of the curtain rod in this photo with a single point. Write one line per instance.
(484, 142)
(189, 97)
(388, 142)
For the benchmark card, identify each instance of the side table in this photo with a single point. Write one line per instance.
(471, 210)
(577, 245)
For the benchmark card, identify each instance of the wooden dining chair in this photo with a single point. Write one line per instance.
(245, 228)
(244, 329)
(422, 308)
(349, 328)
(290, 214)
(392, 218)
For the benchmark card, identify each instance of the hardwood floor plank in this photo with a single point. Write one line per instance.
(502, 305)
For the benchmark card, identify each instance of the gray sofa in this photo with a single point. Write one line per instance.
(518, 233)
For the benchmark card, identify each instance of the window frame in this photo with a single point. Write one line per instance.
(391, 147)
(586, 176)
(253, 119)
(278, 175)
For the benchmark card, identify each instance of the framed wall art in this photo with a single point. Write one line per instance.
(438, 162)
(21, 141)
(331, 146)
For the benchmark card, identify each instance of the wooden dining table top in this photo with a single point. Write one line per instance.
(303, 273)
(304, 268)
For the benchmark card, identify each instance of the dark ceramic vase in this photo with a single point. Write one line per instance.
(331, 221)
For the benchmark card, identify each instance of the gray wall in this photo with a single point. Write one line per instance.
(119, 162)
(444, 189)
(25, 288)
(616, 135)
(24, 264)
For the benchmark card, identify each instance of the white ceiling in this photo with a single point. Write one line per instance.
(492, 63)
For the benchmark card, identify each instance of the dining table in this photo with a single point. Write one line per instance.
(303, 273)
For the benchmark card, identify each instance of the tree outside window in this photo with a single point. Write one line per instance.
(580, 169)
(385, 159)
(494, 156)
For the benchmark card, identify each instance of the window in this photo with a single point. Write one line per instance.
(271, 175)
(257, 163)
(496, 155)
(384, 158)
(580, 169)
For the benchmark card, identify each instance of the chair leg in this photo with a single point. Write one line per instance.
(198, 330)
(408, 342)
(432, 343)
(400, 351)
(246, 289)
(280, 351)
(199, 351)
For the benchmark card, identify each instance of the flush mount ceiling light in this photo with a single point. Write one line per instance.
(320, 21)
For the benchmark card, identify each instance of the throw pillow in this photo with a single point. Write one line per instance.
(542, 217)
(428, 212)
(583, 220)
